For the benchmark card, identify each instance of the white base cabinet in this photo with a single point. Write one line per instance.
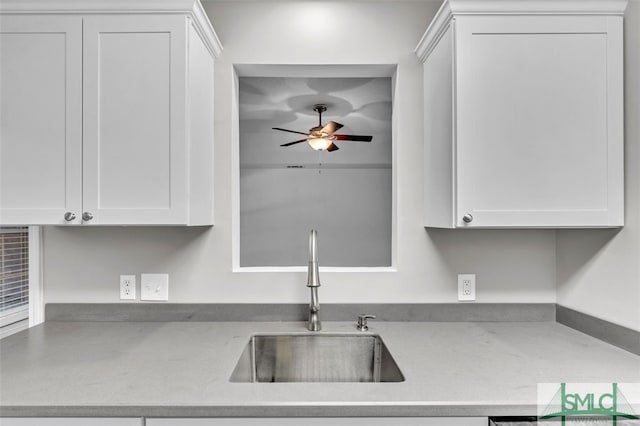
(524, 114)
(107, 114)
(249, 421)
(324, 421)
(70, 421)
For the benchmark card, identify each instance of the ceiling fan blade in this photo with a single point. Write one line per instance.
(290, 131)
(331, 127)
(353, 138)
(332, 147)
(294, 142)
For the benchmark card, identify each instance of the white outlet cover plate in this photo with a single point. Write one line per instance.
(127, 282)
(154, 287)
(466, 287)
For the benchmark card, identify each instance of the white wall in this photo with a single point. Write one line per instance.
(599, 270)
(83, 264)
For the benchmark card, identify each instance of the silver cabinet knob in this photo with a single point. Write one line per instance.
(467, 218)
(86, 216)
(69, 216)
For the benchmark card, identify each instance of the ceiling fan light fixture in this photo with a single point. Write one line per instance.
(319, 144)
(321, 138)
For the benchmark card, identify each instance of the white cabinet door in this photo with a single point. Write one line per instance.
(539, 121)
(135, 165)
(66, 421)
(40, 119)
(324, 421)
(523, 115)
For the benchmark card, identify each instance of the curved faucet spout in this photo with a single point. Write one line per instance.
(313, 282)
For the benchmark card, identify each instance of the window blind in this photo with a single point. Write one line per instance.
(14, 275)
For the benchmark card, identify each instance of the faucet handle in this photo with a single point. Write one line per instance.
(362, 321)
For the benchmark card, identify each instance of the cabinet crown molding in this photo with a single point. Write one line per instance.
(452, 8)
(191, 8)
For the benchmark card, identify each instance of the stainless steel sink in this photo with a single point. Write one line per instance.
(317, 357)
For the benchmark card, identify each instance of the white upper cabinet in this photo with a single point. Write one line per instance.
(107, 113)
(524, 114)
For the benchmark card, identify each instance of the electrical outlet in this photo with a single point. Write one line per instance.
(127, 287)
(466, 287)
(154, 287)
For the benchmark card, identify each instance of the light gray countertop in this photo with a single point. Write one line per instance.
(182, 369)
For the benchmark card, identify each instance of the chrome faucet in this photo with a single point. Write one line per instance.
(313, 282)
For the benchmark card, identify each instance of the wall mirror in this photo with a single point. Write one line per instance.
(285, 191)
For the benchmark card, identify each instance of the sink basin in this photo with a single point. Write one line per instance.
(316, 358)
